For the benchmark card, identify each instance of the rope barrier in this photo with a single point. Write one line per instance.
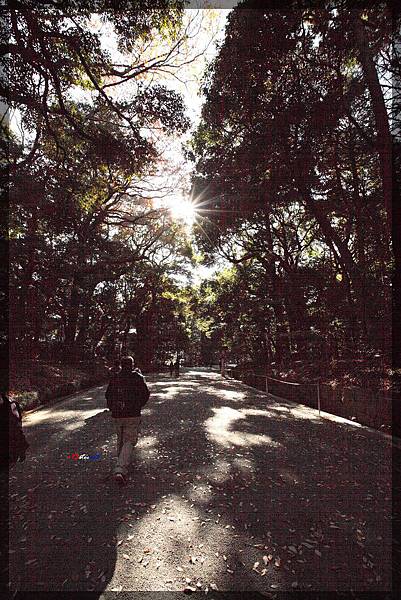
(283, 383)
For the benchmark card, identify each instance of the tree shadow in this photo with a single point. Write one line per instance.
(219, 468)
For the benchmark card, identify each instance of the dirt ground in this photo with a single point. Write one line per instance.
(229, 490)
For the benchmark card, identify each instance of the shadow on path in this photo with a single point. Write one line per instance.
(224, 477)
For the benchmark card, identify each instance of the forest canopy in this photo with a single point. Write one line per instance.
(293, 158)
(291, 198)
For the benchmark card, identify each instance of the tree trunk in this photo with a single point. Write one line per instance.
(28, 291)
(383, 141)
(297, 314)
(72, 320)
(360, 281)
(83, 329)
(276, 291)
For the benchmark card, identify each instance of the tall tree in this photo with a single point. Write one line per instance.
(292, 165)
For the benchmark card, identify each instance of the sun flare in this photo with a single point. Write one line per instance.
(182, 209)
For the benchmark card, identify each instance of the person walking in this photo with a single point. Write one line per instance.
(177, 367)
(171, 367)
(14, 444)
(126, 394)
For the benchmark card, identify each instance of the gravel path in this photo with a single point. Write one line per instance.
(230, 490)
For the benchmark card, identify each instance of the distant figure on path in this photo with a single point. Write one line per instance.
(171, 367)
(177, 367)
(126, 394)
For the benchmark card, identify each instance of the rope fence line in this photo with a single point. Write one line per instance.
(357, 404)
(315, 386)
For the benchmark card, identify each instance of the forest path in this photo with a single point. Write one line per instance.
(230, 489)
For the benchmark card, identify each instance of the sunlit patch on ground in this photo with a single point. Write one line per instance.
(220, 429)
(221, 478)
(200, 493)
(244, 465)
(219, 470)
(176, 556)
(48, 415)
(147, 441)
(231, 395)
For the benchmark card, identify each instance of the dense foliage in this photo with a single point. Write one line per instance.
(293, 164)
(292, 174)
(91, 254)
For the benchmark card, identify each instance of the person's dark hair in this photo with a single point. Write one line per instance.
(127, 363)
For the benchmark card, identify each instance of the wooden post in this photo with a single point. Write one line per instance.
(318, 395)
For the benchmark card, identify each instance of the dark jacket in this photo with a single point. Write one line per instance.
(126, 394)
(13, 442)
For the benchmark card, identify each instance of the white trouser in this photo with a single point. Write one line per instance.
(127, 437)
